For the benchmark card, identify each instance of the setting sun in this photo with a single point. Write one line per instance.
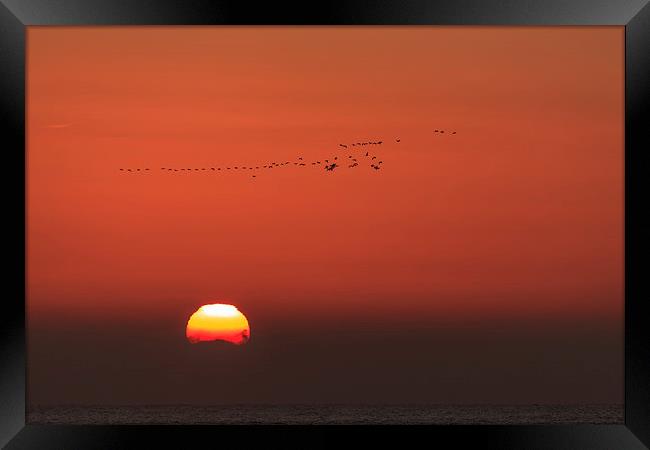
(218, 322)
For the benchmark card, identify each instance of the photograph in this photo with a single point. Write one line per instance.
(325, 225)
(244, 224)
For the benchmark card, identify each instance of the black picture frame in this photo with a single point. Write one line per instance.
(634, 15)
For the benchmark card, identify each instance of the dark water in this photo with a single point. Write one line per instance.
(328, 414)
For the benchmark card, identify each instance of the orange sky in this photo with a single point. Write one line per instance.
(515, 220)
(520, 212)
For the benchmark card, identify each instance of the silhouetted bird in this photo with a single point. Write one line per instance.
(331, 167)
(374, 157)
(397, 140)
(366, 153)
(122, 170)
(453, 132)
(129, 170)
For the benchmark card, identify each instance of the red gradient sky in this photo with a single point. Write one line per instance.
(519, 216)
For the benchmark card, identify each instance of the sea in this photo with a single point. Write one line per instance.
(327, 415)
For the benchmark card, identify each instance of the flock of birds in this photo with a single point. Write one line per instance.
(329, 164)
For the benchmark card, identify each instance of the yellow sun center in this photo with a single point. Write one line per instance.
(218, 322)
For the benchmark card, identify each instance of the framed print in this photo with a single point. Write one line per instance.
(378, 222)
